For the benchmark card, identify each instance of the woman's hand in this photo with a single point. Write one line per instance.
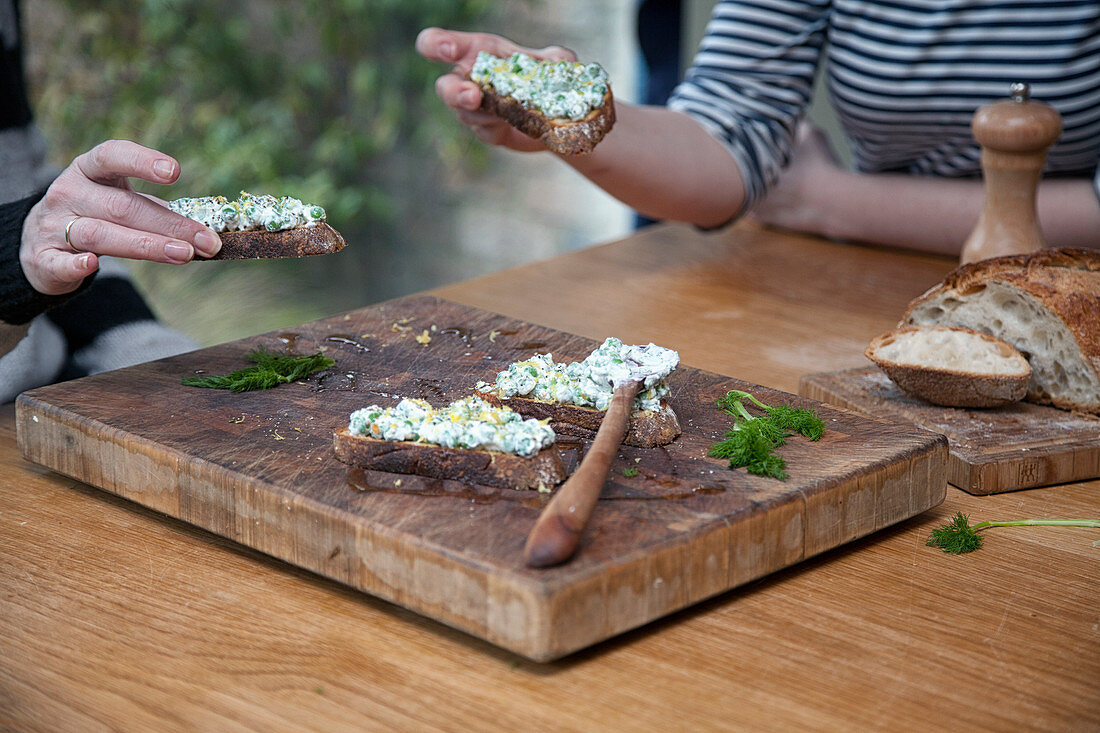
(91, 210)
(796, 200)
(463, 95)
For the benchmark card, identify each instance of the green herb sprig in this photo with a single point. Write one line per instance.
(958, 536)
(752, 440)
(268, 370)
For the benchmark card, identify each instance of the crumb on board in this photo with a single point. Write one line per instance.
(493, 336)
(424, 339)
(401, 325)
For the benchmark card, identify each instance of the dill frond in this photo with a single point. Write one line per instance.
(958, 536)
(802, 421)
(268, 370)
(752, 440)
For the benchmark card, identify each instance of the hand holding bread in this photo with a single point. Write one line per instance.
(91, 210)
(495, 118)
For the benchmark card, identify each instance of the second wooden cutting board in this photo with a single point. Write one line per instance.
(1019, 446)
(259, 468)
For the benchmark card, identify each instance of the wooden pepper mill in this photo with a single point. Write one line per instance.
(1015, 135)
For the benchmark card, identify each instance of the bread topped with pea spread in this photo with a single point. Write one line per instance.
(566, 105)
(469, 440)
(259, 226)
(574, 397)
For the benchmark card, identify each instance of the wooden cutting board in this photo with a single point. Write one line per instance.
(1014, 447)
(258, 468)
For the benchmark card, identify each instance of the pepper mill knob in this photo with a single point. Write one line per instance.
(1015, 135)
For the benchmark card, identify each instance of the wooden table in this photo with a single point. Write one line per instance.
(112, 616)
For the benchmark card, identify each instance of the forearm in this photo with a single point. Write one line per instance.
(665, 165)
(938, 214)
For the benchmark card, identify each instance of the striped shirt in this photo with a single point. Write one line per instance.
(905, 77)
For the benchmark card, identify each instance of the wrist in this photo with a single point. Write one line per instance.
(20, 301)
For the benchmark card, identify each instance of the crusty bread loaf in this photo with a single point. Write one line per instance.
(317, 239)
(564, 136)
(487, 468)
(645, 430)
(1046, 304)
(952, 366)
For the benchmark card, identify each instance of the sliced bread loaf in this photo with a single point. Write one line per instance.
(1046, 304)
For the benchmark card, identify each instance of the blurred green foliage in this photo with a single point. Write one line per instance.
(325, 100)
(302, 97)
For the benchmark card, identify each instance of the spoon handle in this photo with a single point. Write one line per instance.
(555, 535)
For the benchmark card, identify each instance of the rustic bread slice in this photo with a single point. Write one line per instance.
(316, 239)
(952, 366)
(646, 429)
(567, 105)
(564, 136)
(1045, 304)
(487, 468)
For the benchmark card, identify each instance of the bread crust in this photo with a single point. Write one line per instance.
(487, 468)
(645, 430)
(567, 137)
(953, 387)
(1065, 282)
(318, 239)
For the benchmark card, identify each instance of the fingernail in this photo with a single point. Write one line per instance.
(447, 49)
(208, 242)
(164, 168)
(85, 260)
(177, 252)
(469, 99)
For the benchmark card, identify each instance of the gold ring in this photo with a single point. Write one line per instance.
(68, 241)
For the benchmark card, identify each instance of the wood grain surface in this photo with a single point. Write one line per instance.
(258, 468)
(116, 617)
(1018, 446)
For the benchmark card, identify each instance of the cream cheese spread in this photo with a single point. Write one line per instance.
(470, 423)
(250, 212)
(590, 383)
(558, 89)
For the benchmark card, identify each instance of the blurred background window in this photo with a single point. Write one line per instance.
(325, 100)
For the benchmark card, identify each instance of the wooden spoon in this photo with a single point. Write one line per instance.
(555, 535)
